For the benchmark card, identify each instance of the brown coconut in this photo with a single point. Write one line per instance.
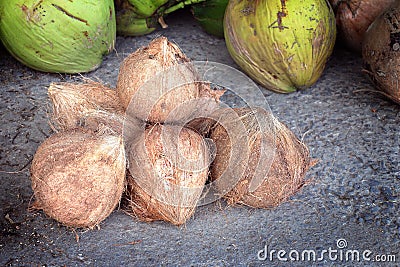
(353, 18)
(279, 168)
(78, 176)
(71, 102)
(381, 52)
(201, 125)
(168, 168)
(156, 79)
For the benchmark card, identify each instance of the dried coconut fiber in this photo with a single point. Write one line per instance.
(168, 168)
(72, 102)
(78, 176)
(283, 176)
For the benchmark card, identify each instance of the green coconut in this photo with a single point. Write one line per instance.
(141, 17)
(130, 23)
(58, 36)
(210, 15)
(283, 45)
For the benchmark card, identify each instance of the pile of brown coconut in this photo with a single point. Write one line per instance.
(156, 143)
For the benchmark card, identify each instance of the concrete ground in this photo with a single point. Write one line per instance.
(351, 206)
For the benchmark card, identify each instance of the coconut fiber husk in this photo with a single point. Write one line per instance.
(78, 176)
(73, 101)
(278, 168)
(168, 168)
(103, 122)
(156, 79)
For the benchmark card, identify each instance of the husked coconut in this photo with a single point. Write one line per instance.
(353, 18)
(275, 167)
(156, 79)
(73, 101)
(78, 176)
(168, 168)
(381, 52)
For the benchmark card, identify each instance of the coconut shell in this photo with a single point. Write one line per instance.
(73, 101)
(78, 176)
(381, 52)
(156, 79)
(353, 18)
(168, 168)
(278, 167)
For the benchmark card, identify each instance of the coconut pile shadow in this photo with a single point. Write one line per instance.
(158, 143)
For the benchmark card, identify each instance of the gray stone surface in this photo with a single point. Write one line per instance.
(354, 194)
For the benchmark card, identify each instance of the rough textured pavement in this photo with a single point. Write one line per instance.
(354, 194)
